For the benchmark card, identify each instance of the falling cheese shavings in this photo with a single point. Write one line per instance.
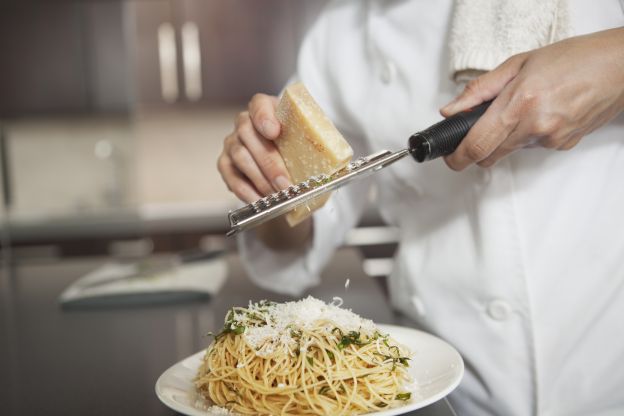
(347, 282)
(337, 301)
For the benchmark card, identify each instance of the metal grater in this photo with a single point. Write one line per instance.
(281, 202)
(438, 140)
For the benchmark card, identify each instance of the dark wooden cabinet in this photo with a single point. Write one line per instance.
(41, 66)
(146, 17)
(240, 47)
(246, 46)
(84, 56)
(62, 57)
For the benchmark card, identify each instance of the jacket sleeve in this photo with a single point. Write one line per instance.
(293, 271)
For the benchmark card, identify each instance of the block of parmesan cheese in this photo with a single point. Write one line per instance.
(309, 143)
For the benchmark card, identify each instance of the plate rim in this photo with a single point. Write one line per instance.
(389, 412)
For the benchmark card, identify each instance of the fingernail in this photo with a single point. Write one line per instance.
(281, 182)
(270, 129)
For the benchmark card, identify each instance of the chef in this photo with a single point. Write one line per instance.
(510, 248)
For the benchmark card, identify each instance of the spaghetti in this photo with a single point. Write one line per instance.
(302, 358)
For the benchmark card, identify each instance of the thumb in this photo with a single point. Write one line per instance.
(485, 87)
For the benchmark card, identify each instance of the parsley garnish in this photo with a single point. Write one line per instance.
(403, 396)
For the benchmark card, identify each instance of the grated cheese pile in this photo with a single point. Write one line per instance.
(268, 327)
(203, 405)
(220, 411)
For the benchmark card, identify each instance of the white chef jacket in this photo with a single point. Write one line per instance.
(519, 266)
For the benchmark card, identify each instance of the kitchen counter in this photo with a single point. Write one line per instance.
(106, 361)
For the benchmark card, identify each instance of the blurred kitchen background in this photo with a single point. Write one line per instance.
(112, 212)
(113, 113)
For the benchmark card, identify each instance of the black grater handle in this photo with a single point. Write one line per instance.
(442, 138)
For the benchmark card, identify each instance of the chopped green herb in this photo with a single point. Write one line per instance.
(404, 361)
(266, 303)
(352, 338)
(294, 333)
(400, 360)
(403, 396)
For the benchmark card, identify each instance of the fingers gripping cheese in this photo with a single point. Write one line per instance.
(309, 143)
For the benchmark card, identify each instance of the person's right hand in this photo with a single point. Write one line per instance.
(250, 164)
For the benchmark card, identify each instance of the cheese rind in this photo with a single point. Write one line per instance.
(309, 143)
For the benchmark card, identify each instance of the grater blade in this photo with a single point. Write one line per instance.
(281, 202)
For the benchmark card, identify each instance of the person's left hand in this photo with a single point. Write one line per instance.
(550, 97)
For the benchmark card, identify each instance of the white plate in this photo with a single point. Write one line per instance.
(436, 367)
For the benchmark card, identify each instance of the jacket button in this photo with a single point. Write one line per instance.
(499, 310)
(388, 72)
